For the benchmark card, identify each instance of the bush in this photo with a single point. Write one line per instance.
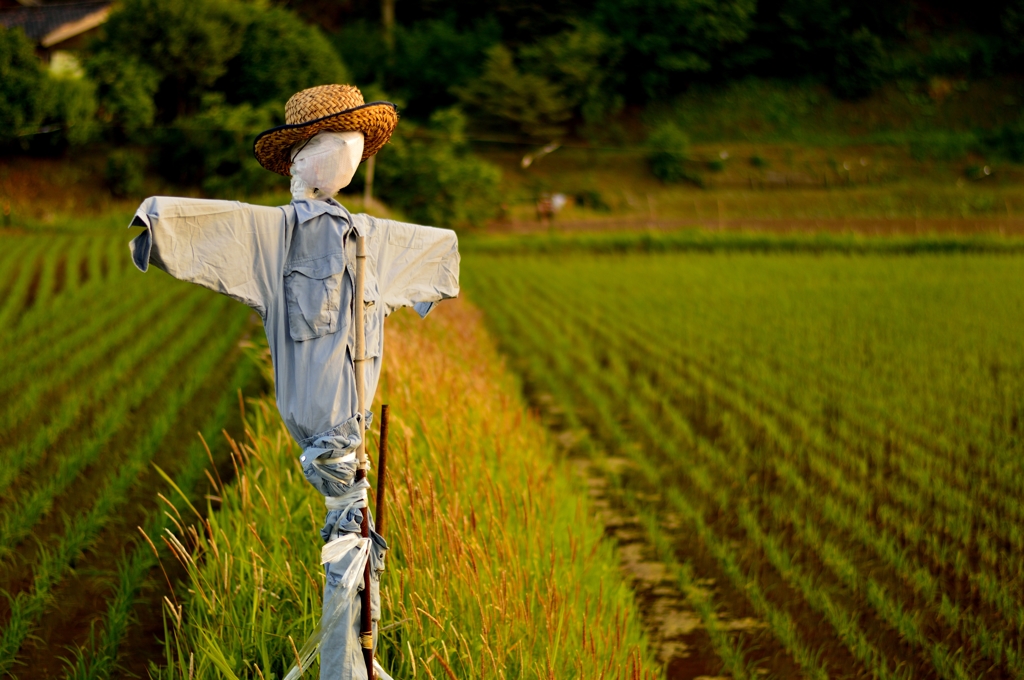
(434, 179)
(24, 93)
(591, 199)
(669, 153)
(124, 173)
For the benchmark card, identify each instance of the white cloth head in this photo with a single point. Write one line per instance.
(325, 163)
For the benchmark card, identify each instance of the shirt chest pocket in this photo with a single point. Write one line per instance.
(319, 297)
(374, 315)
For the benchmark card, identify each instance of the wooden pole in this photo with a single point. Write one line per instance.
(366, 618)
(387, 22)
(382, 468)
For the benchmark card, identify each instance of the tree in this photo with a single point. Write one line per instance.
(213, 148)
(667, 42)
(432, 56)
(503, 95)
(280, 55)
(187, 43)
(436, 180)
(125, 90)
(583, 62)
(24, 91)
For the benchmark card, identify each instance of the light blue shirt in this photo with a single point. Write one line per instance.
(295, 265)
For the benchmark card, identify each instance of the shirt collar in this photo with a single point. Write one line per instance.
(306, 209)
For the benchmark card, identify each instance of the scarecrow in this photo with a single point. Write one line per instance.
(323, 281)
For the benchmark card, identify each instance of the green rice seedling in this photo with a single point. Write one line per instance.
(816, 389)
(76, 298)
(17, 520)
(76, 343)
(27, 270)
(605, 421)
(44, 287)
(100, 657)
(65, 367)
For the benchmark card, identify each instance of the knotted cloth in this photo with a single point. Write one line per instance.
(329, 464)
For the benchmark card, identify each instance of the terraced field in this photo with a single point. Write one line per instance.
(828, 446)
(106, 376)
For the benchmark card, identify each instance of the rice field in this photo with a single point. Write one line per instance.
(496, 568)
(827, 445)
(130, 546)
(106, 377)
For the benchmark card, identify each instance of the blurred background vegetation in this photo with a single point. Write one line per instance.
(647, 104)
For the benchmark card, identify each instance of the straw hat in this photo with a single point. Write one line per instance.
(334, 108)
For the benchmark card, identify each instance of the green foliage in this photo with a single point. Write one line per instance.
(669, 152)
(187, 43)
(433, 178)
(583, 62)
(124, 171)
(31, 98)
(942, 146)
(572, 72)
(213, 148)
(1006, 142)
(73, 108)
(280, 55)
(668, 41)
(860, 65)
(431, 57)
(504, 94)
(592, 200)
(159, 59)
(361, 46)
(23, 85)
(125, 89)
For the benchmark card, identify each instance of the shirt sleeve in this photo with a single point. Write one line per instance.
(416, 266)
(226, 246)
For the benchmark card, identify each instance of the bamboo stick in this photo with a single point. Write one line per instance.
(366, 620)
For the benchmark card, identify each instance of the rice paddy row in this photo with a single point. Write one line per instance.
(105, 374)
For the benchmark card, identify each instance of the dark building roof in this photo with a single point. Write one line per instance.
(51, 24)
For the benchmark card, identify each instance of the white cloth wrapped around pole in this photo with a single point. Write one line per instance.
(345, 595)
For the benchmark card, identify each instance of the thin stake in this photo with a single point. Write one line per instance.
(382, 467)
(366, 621)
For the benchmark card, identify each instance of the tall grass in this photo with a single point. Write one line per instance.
(497, 567)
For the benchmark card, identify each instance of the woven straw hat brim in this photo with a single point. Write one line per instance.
(376, 120)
